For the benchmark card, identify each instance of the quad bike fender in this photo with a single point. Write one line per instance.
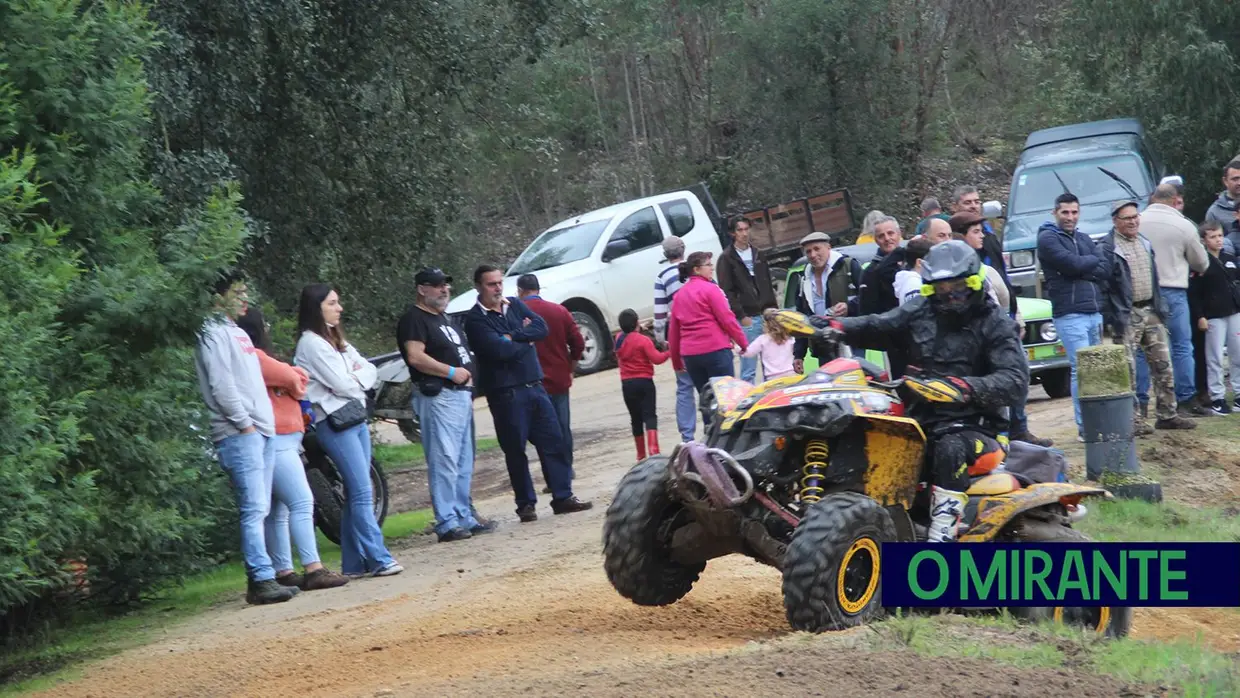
(996, 511)
(895, 447)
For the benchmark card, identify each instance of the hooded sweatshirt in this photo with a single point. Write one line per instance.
(231, 381)
(1223, 210)
(702, 322)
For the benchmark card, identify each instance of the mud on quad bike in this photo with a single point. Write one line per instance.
(810, 475)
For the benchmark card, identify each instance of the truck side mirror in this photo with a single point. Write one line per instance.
(616, 248)
(992, 209)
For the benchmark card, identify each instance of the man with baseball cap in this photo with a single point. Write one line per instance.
(1135, 312)
(441, 370)
(829, 285)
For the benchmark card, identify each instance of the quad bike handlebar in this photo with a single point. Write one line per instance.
(825, 339)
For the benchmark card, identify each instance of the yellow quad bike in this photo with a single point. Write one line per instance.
(811, 474)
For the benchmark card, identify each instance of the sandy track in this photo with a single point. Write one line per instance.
(528, 611)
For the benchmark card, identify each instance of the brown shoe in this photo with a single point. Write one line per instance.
(291, 579)
(1142, 428)
(1029, 438)
(1176, 422)
(324, 579)
(570, 505)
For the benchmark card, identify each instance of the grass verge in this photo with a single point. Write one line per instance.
(53, 656)
(403, 455)
(1190, 668)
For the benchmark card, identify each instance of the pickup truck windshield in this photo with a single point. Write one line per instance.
(1035, 189)
(561, 246)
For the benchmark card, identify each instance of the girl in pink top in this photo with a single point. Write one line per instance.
(702, 327)
(775, 348)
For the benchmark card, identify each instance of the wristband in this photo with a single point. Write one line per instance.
(451, 372)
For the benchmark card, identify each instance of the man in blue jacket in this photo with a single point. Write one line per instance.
(1077, 276)
(502, 332)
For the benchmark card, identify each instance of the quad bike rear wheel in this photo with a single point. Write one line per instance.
(1111, 622)
(637, 533)
(832, 566)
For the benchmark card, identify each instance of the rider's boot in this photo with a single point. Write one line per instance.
(652, 441)
(945, 515)
(640, 442)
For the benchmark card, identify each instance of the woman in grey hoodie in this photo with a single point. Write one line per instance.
(339, 375)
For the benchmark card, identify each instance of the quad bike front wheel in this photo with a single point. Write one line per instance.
(832, 566)
(1111, 622)
(637, 534)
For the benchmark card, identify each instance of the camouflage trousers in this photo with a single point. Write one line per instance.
(1147, 333)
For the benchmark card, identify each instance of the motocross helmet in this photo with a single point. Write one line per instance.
(953, 278)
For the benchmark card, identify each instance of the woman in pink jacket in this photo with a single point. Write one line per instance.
(703, 327)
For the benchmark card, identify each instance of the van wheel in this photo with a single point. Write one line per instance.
(1058, 383)
(596, 343)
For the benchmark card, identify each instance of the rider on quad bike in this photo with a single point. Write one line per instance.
(966, 363)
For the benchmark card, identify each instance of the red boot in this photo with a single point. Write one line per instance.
(640, 442)
(652, 440)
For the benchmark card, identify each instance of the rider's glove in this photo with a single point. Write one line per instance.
(942, 390)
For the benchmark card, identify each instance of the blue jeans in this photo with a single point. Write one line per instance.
(703, 367)
(249, 460)
(1078, 331)
(1019, 421)
(1143, 378)
(560, 403)
(361, 541)
(292, 507)
(524, 415)
(1180, 335)
(686, 410)
(448, 439)
(749, 365)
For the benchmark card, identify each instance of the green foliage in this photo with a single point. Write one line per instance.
(105, 284)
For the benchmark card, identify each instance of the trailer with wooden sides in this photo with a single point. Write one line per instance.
(777, 230)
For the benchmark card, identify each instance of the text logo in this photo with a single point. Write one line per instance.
(986, 575)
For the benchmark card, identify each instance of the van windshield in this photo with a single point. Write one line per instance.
(560, 246)
(1035, 189)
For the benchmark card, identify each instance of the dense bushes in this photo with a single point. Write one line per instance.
(104, 283)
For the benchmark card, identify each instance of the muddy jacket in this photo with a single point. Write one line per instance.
(982, 347)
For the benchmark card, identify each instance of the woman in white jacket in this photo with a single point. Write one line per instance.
(339, 375)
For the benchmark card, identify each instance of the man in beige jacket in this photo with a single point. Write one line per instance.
(1177, 251)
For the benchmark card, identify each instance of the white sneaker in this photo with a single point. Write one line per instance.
(391, 569)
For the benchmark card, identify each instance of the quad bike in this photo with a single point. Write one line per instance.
(810, 475)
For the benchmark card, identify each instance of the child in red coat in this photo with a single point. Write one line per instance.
(637, 357)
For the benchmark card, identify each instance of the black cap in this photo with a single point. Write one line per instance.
(528, 282)
(431, 276)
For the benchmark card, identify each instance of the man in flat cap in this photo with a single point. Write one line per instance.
(1135, 312)
(829, 284)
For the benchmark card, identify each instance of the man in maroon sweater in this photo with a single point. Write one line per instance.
(558, 353)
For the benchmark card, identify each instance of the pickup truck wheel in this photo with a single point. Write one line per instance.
(1058, 383)
(592, 333)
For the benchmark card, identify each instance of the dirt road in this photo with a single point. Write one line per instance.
(528, 611)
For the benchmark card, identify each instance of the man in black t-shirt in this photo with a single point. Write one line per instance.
(441, 370)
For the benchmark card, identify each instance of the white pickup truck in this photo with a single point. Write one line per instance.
(599, 263)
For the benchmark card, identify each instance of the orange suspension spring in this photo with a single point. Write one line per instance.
(815, 464)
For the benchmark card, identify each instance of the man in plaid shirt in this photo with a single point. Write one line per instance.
(666, 284)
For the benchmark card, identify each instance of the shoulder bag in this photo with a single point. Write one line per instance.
(352, 414)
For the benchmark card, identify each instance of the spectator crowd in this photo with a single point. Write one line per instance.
(1164, 287)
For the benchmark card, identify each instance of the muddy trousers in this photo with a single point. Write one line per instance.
(959, 454)
(639, 398)
(1147, 334)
